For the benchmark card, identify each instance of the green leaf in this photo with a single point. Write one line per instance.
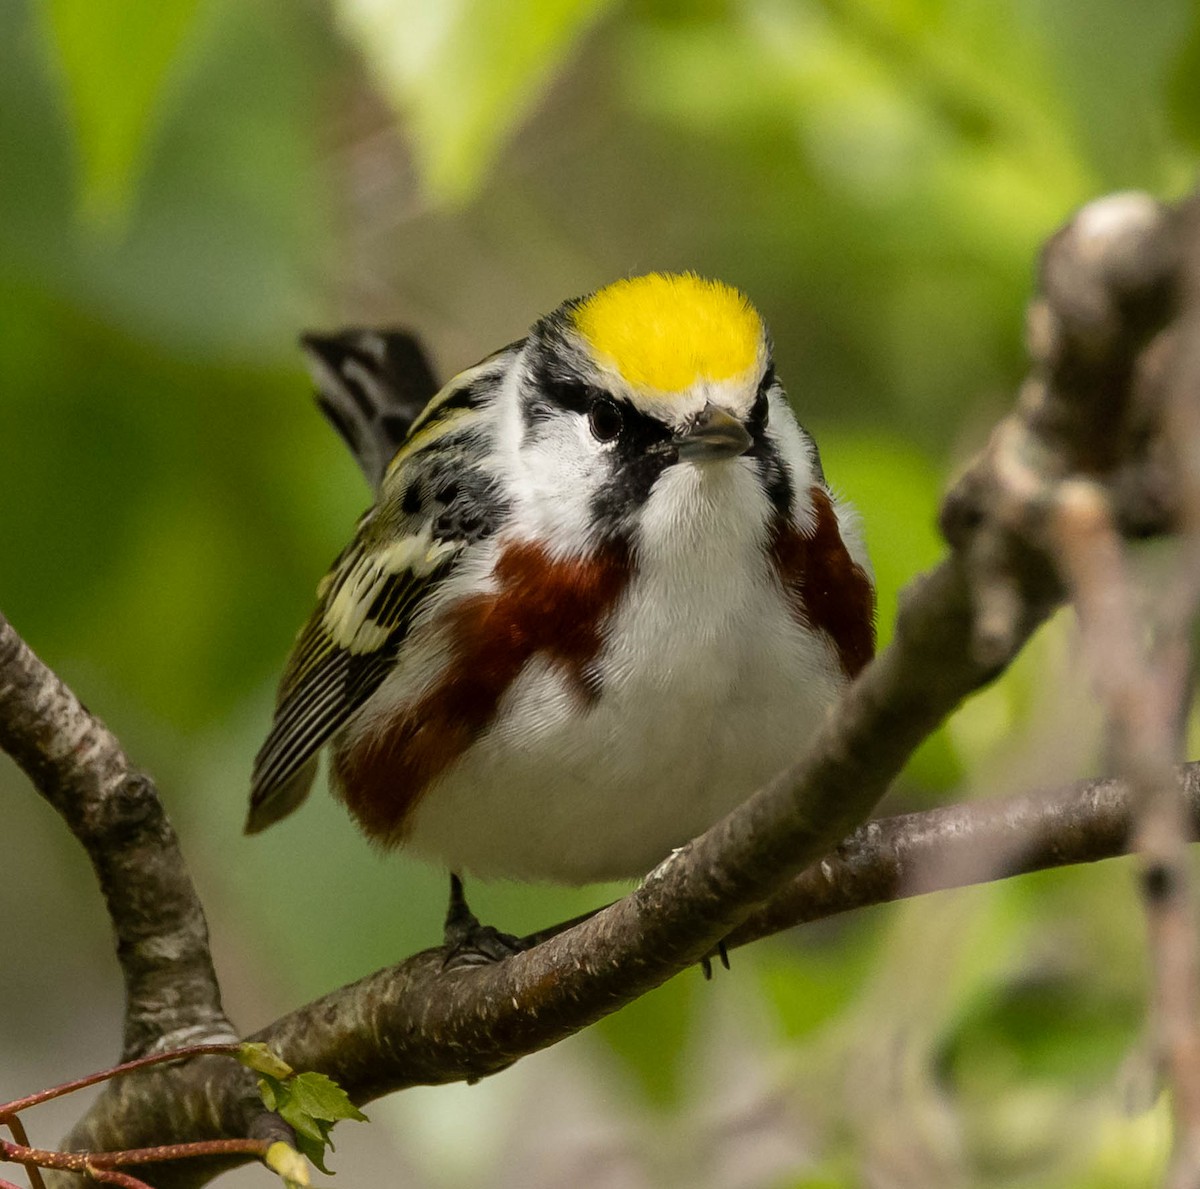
(270, 1089)
(464, 74)
(1047, 1027)
(311, 1143)
(310, 1103)
(313, 1150)
(322, 1098)
(113, 61)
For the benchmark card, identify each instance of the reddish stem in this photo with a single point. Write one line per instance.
(18, 1132)
(21, 1154)
(207, 1147)
(110, 1176)
(9, 1109)
(87, 1161)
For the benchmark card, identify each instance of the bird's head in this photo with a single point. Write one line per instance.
(644, 375)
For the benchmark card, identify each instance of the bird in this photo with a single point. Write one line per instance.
(604, 592)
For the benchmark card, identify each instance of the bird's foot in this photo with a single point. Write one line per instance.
(467, 942)
(706, 962)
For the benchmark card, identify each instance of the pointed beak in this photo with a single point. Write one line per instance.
(713, 434)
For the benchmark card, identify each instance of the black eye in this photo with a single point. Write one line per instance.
(604, 419)
(759, 412)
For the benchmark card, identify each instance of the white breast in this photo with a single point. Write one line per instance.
(708, 688)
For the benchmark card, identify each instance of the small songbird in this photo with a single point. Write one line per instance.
(603, 595)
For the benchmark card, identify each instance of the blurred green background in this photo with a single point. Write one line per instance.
(187, 184)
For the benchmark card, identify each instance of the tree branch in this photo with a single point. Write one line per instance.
(77, 764)
(954, 846)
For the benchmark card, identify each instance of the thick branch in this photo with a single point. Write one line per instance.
(77, 764)
(172, 997)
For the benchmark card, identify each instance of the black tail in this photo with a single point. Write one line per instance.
(371, 384)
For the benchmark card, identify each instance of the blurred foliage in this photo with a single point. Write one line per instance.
(113, 62)
(463, 75)
(186, 185)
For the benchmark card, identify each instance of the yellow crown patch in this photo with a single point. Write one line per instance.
(666, 331)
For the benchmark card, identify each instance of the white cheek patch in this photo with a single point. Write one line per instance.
(796, 450)
(799, 455)
(561, 469)
(552, 470)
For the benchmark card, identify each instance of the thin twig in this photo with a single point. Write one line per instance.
(913, 854)
(8, 1110)
(1168, 884)
(42, 1157)
(1142, 707)
(112, 1176)
(17, 1128)
(20, 1153)
(212, 1147)
(896, 858)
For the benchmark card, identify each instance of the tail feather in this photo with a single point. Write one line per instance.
(371, 384)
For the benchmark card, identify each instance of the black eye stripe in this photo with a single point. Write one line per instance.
(773, 473)
(550, 393)
(758, 412)
(571, 394)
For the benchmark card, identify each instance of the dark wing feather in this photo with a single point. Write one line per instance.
(341, 658)
(433, 505)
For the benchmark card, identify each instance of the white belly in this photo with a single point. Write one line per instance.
(708, 688)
